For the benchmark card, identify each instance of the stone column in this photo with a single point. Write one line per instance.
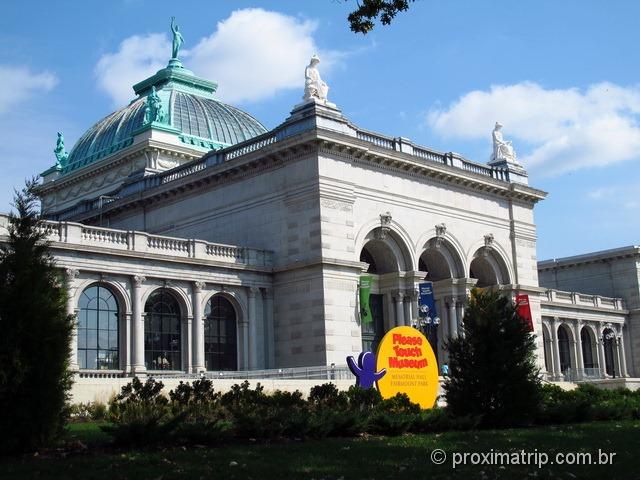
(197, 341)
(556, 349)
(579, 360)
(70, 274)
(253, 328)
(406, 303)
(549, 349)
(601, 360)
(623, 359)
(270, 343)
(414, 305)
(127, 341)
(460, 315)
(453, 320)
(397, 300)
(137, 330)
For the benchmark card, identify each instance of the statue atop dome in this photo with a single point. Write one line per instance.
(153, 111)
(60, 152)
(314, 87)
(178, 39)
(502, 149)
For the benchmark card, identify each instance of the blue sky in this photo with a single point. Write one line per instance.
(563, 77)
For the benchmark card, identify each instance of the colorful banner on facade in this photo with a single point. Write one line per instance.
(365, 291)
(524, 310)
(426, 301)
(410, 364)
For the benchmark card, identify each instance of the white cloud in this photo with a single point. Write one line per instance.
(138, 57)
(252, 54)
(601, 193)
(554, 131)
(20, 84)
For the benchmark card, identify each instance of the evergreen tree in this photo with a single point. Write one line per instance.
(493, 372)
(35, 332)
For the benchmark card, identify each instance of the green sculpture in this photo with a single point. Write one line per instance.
(153, 110)
(178, 40)
(60, 152)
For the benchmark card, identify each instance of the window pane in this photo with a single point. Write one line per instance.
(92, 319)
(91, 360)
(103, 319)
(92, 339)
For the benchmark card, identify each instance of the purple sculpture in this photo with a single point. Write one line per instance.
(365, 370)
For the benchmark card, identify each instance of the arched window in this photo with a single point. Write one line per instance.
(609, 351)
(563, 346)
(162, 339)
(220, 341)
(587, 348)
(98, 329)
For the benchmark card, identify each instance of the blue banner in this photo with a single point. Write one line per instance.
(426, 302)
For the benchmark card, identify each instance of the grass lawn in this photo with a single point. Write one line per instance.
(405, 457)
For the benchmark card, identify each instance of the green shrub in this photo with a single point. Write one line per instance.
(327, 395)
(89, 411)
(140, 414)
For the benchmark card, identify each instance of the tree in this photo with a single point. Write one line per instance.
(493, 373)
(35, 332)
(361, 19)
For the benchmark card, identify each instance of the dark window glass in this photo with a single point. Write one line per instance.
(162, 339)
(220, 343)
(98, 329)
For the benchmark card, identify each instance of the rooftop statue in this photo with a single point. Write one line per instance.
(502, 149)
(59, 151)
(314, 87)
(178, 40)
(153, 111)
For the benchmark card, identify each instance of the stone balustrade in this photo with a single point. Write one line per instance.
(574, 298)
(70, 233)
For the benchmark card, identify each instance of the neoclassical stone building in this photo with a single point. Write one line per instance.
(195, 240)
(597, 336)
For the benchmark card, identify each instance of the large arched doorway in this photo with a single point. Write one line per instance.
(488, 268)
(162, 332)
(387, 256)
(609, 338)
(564, 347)
(98, 337)
(220, 335)
(588, 356)
(441, 264)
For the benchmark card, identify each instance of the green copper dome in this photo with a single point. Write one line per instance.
(189, 111)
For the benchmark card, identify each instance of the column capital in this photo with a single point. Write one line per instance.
(138, 280)
(268, 292)
(451, 301)
(198, 286)
(253, 291)
(397, 295)
(70, 274)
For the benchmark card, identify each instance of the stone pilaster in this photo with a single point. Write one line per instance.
(70, 275)
(137, 330)
(197, 327)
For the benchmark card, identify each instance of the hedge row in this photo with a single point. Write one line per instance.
(196, 414)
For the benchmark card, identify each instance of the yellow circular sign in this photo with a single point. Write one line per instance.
(411, 366)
